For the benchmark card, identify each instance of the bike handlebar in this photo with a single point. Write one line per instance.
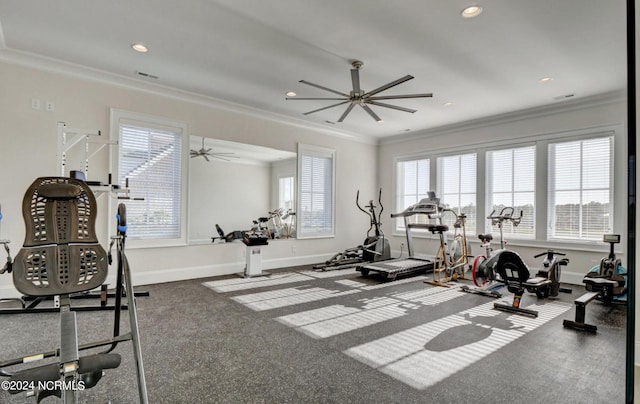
(505, 214)
(547, 253)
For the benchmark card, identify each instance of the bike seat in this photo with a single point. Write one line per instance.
(485, 237)
(437, 228)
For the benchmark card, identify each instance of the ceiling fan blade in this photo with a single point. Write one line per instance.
(397, 97)
(381, 104)
(221, 158)
(323, 88)
(389, 85)
(194, 155)
(355, 80)
(323, 108)
(205, 157)
(302, 98)
(346, 112)
(370, 112)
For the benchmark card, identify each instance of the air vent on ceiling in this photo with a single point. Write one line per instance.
(562, 97)
(147, 75)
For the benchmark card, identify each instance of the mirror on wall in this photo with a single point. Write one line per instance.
(238, 186)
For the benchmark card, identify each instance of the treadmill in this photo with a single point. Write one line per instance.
(411, 265)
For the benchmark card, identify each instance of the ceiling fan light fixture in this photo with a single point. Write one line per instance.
(448, 104)
(545, 80)
(291, 94)
(471, 11)
(138, 47)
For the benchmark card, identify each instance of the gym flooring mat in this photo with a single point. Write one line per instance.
(299, 335)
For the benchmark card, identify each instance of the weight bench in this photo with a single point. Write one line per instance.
(601, 288)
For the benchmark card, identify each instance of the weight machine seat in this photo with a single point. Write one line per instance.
(485, 237)
(61, 254)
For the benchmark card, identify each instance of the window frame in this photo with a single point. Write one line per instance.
(541, 141)
(550, 184)
(305, 150)
(489, 189)
(119, 117)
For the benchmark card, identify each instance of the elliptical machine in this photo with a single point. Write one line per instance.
(374, 248)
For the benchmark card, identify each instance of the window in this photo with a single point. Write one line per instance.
(150, 159)
(457, 185)
(511, 182)
(286, 194)
(316, 168)
(580, 189)
(413, 185)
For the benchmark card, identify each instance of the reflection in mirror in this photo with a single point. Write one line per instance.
(239, 187)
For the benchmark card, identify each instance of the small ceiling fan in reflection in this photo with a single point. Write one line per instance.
(206, 153)
(358, 96)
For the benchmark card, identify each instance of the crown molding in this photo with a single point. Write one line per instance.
(56, 66)
(535, 112)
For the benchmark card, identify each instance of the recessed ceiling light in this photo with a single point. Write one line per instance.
(138, 47)
(545, 80)
(291, 94)
(448, 104)
(471, 11)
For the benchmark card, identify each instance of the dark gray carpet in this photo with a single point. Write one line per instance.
(201, 346)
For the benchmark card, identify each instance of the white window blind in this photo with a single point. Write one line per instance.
(580, 188)
(316, 190)
(413, 182)
(457, 185)
(150, 159)
(511, 181)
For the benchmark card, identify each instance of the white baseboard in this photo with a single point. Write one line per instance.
(140, 278)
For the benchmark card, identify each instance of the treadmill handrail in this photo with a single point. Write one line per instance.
(423, 207)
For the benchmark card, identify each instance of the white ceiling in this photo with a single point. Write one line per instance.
(251, 52)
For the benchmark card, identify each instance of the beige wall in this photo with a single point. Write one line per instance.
(28, 150)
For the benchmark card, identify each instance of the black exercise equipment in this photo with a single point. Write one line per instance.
(234, 235)
(374, 248)
(550, 271)
(606, 282)
(507, 267)
(60, 256)
(390, 269)
(483, 269)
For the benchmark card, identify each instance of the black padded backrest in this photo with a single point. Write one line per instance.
(512, 270)
(61, 253)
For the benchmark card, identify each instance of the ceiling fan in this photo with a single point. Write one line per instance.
(206, 153)
(359, 97)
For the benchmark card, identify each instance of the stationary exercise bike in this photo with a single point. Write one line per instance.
(452, 258)
(606, 282)
(374, 248)
(483, 271)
